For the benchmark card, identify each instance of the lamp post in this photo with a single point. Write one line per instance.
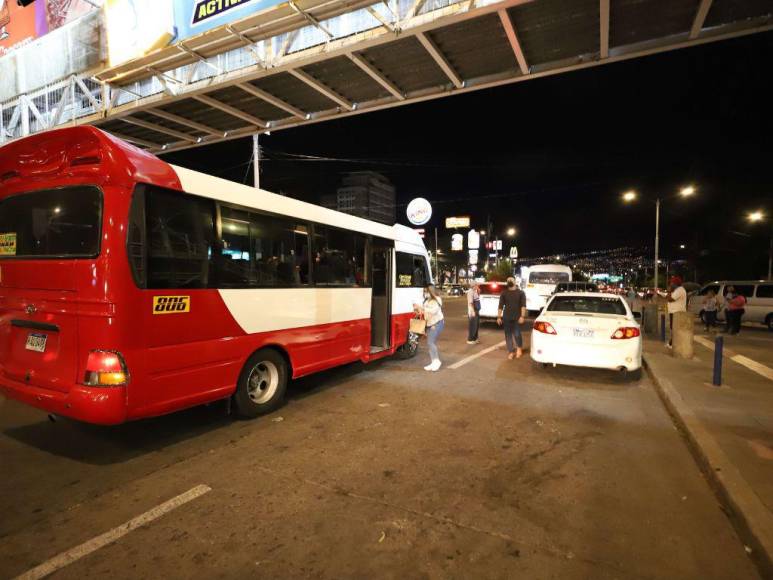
(630, 196)
(758, 216)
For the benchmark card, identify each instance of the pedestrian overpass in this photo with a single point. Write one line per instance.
(308, 61)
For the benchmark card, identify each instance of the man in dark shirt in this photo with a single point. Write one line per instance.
(512, 312)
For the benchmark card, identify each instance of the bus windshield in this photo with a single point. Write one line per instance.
(51, 223)
(548, 277)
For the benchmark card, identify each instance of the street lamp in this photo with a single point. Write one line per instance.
(511, 232)
(631, 195)
(758, 216)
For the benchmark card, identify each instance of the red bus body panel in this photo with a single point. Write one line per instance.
(174, 362)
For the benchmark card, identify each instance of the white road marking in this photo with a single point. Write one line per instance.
(472, 357)
(750, 364)
(66, 558)
(753, 365)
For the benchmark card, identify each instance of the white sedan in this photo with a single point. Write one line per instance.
(587, 330)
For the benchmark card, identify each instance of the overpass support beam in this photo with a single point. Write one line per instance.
(440, 59)
(376, 75)
(604, 28)
(160, 129)
(320, 88)
(271, 99)
(700, 18)
(234, 112)
(515, 44)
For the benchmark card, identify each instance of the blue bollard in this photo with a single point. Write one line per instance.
(663, 327)
(719, 344)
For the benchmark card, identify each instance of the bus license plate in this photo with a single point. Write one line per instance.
(583, 332)
(36, 342)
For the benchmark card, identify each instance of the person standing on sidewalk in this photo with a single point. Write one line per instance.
(473, 313)
(677, 302)
(710, 306)
(511, 314)
(432, 310)
(736, 307)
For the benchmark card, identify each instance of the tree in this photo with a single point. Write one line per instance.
(501, 272)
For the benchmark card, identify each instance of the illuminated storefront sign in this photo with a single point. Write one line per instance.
(457, 242)
(419, 211)
(457, 222)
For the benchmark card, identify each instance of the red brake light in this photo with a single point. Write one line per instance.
(544, 327)
(625, 332)
(105, 368)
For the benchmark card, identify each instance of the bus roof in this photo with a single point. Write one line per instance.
(85, 154)
(549, 268)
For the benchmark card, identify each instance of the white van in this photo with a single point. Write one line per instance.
(758, 294)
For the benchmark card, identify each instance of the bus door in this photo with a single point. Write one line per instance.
(380, 311)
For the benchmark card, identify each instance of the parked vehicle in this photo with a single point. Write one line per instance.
(489, 299)
(758, 294)
(455, 290)
(539, 282)
(587, 330)
(131, 288)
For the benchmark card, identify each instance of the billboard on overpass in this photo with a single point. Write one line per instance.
(193, 17)
(21, 25)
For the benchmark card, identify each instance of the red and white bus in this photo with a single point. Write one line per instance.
(131, 288)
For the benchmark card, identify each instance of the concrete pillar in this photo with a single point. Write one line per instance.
(682, 338)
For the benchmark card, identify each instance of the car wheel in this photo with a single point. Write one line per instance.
(769, 321)
(262, 384)
(410, 348)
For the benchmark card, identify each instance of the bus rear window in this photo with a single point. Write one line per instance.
(548, 277)
(51, 223)
(587, 304)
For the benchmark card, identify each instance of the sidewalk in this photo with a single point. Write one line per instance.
(731, 431)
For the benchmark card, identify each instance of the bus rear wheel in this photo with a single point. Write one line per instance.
(262, 384)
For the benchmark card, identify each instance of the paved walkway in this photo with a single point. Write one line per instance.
(731, 425)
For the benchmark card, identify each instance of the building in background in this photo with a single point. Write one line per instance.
(366, 194)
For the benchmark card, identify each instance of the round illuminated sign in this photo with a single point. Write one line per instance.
(419, 211)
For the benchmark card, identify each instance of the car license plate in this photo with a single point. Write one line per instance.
(36, 342)
(583, 332)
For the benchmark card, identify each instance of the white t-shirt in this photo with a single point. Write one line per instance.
(680, 301)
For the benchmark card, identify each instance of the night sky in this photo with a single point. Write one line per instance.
(551, 156)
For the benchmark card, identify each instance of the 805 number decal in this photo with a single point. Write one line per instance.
(171, 304)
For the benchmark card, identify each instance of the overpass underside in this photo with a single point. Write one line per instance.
(315, 61)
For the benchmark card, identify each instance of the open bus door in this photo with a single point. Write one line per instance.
(380, 310)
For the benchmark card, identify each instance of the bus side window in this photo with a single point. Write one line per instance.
(412, 271)
(339, 257)
(180, 234)
(135, 240)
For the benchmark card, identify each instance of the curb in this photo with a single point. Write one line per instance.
(750, 517)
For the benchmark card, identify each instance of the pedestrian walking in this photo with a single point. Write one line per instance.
(677, 302)
(432, 310)
(736, 307)
(473, 313)
(511, 315)
(710, 306)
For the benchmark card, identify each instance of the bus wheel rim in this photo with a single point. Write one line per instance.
(263, 382)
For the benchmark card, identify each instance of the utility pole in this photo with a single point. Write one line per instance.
(437, 261)
(657, 239)
(256, 160)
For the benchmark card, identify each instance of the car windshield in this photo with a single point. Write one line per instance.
(52, 223)
(548, 277)
(587, 305)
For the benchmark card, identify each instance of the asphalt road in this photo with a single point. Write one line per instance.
(497, 469)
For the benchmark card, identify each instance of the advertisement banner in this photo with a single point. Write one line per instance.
(21, 25)
(137, 27)
(192, 17)
(457, 222)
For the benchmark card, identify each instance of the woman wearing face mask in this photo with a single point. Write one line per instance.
(432, 309)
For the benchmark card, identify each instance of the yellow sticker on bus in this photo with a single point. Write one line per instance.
(8, 244)
(171, 304)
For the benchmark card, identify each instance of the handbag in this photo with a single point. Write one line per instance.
(418, 326)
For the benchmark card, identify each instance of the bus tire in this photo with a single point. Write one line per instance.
(262, 384)
(410, 348)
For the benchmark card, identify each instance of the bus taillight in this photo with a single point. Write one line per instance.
(105, 368)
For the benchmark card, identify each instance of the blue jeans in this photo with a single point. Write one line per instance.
(512, 332)
(432, 334)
